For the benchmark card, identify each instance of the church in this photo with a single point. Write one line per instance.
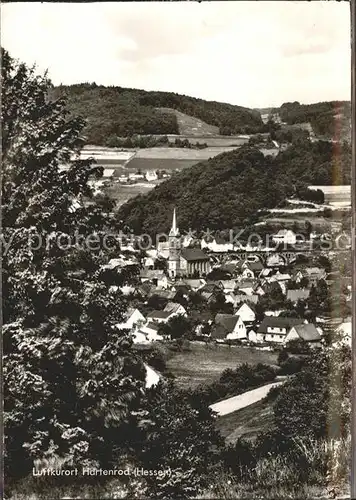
(185, 261)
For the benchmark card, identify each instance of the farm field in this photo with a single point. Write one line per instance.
(182, 153)
(247, 422)
(203, 364)
(339, 196)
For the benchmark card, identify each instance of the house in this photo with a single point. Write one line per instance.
(237, 298)
(275, 260)
(139, 337)
(175, 309)
(151, 175)
(216, 244)
(252, 336)
(313, 275)
(252, 269)
(194, 284)
(120, 262)
(172, 309)
(209, 290)
(152, 377)
(166, 294)
(344, 331)
(219, 333)
(159, 316)
(275, 328)
(285, 237)
(228, 286)
(246, 287)
(108, 173)
(182, 290)
(266, 273)
(150, 330)
(127, 289)
(144, 290)
(133, 318)
(233, 325)
(298, 294)
(156, 276)
(136, 177)
(149, 263)
(246, 313)
(163, 249)
(281, 277)
(307, 332)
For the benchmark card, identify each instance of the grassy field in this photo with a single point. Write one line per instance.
(121, 193)
(182, 153)
(247, 422)
(191, 125)
(204, 363)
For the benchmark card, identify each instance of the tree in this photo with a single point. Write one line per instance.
(188, 444)
(176, 328)
(316, 402)
(70, 378)
(319, 299)
(219, 305)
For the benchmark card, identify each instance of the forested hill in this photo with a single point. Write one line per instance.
(329, 119)
(117, 111)
(229, 189)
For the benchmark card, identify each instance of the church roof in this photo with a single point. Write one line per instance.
(192, 254)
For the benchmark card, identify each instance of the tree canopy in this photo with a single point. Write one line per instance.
(113, 112)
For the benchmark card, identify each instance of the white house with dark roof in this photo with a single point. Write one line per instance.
(275, 328)
(233, 325)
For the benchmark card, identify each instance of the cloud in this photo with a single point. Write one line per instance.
(249, 53)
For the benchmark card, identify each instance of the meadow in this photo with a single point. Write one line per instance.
(202, 364)
(189, 124)
(247, 422)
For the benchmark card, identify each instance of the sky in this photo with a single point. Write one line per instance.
(254, 54)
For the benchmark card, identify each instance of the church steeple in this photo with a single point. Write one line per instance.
(174, 229)
(174, 248)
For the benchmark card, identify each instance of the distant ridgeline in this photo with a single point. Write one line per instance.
(227, 191)
(328, 119)
(122, 112)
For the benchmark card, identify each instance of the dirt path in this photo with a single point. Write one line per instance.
(246, 399)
